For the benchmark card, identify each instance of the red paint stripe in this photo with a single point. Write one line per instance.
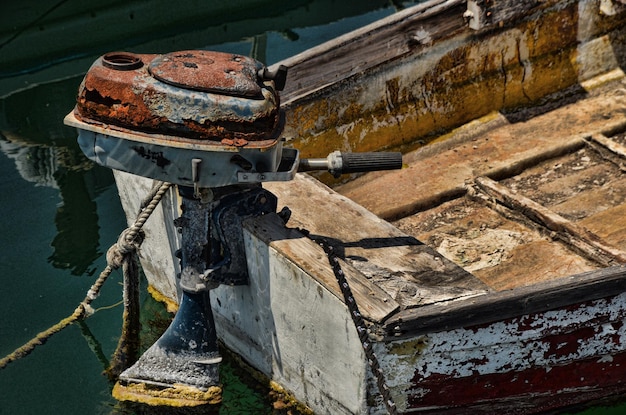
(527, 391)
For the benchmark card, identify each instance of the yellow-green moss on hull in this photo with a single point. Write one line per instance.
(283, 400)
(175, 396)
(170, 305)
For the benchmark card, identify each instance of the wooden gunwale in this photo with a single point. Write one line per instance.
(502, 305)
(423, 71)
(387, 39)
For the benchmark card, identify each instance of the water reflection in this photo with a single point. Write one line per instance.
(76, 242)
(45, 152)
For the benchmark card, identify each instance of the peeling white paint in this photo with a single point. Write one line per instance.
(422, 36)
(295, 331)
(502, 347)
(156, 253)
(605, 359)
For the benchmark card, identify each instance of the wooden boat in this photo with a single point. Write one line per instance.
(490, 270)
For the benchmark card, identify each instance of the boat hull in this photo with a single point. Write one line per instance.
(424, 71)
(528, 364)
(291, 324)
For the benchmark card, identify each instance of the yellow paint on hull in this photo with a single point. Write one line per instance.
(461, 79)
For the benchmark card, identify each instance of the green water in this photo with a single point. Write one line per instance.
(61, 212)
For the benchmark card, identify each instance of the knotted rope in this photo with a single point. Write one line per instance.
(121, 254)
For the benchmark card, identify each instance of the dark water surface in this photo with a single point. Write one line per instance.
(61, 212)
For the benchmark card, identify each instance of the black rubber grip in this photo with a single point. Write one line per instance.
(361, 162)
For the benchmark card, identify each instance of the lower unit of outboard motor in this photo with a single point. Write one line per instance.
(210, 123)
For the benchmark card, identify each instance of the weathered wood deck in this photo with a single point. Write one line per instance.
(385, 265)
(495, 203)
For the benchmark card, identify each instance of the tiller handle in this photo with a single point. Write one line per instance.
(338, 163)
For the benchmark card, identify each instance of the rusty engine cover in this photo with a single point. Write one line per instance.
(193, 94)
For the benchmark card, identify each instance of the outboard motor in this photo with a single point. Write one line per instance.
(210, 123)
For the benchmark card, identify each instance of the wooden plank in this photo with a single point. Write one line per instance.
(429, 180)
(562, 292)
(611, 145)
(578, 236)
(365, 48)
(411, 272)
(374, 304)
(501, 152)
(501, 251)
(609, 224)
(484, 13)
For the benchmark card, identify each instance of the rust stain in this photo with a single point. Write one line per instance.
(195, 94)
(410, 347)
(177, 396)
(201, 70)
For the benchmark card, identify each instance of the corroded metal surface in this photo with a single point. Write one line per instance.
(221, 73)
(175, 159)
(207, 95)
